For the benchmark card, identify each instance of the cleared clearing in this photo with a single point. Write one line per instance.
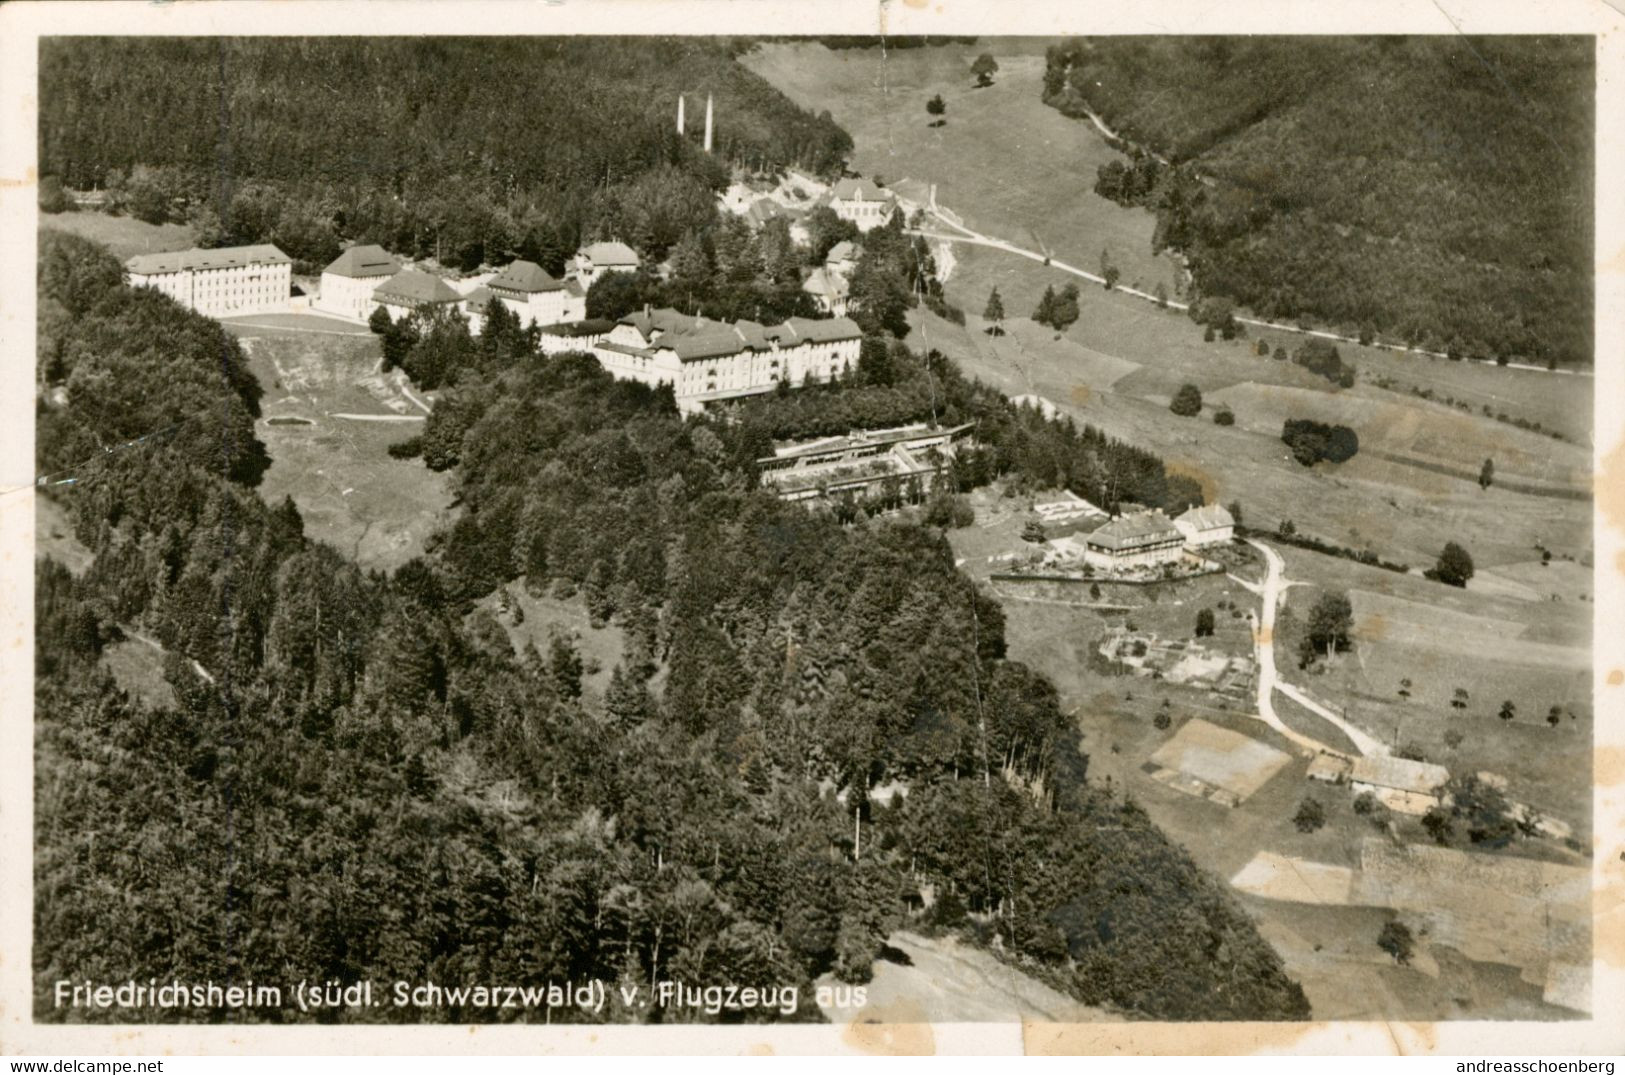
(124, 236)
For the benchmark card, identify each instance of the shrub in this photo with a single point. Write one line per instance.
(1311, 815)
(1313, 441)
(1396, 940)
(1187, 401)
(1224, 417)
(410, 448)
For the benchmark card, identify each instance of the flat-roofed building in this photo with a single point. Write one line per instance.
(224, 282)
(1144, 539)
(348, 283)
(708, 361)
(413, 289)
(859, 462)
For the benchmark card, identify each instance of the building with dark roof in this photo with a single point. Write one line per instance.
(536, 295)
(1145, 539)
(413, 289)
(348, 283)
(707, 361)
(223, 282)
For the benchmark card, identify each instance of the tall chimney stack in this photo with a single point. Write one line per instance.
(679, 115)
(708, 123)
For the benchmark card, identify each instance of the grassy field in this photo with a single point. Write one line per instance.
(352, 494)
(1403, 512)
(53, 537)
(1533, 653)
(124, 236)
(1009, 165)
(543, 618)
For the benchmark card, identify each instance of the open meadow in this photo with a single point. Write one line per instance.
(328, 420)
(124, 236)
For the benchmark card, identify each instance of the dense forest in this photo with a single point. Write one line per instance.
(467, 149)
(1428, 190)
(362, 778)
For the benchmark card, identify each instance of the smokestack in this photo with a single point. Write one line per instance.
(679, 115)
(708, 123)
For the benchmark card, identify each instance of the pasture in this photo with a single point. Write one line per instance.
(124, 236)
(375, 509)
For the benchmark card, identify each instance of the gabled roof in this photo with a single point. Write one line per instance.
(852, 190)
(524, 276)
(1208, 517)
(412, 287)
(845, 250)
(694, 338)
(610, 254)
(592, 326)
(224, 257)
(1127, 531)
(479, 298)
(820, 330)
(830, 285)
(364, 261)
(1402, 774)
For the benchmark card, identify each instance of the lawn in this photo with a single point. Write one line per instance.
(375, 509)
(124, 236)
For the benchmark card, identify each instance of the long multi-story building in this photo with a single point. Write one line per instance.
(862, 460)
(708, 361)
(223, 282)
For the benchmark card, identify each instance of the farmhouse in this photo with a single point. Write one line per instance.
(859, 462)
(1402, 785)
(864, 203)
(413, 289)
(596, 259)
(1145, 539)
(1210, 524)
(708, 361)
(536, 295)
(348, 283)
(223, 282)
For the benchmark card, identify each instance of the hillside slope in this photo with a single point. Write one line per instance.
(1433, 189)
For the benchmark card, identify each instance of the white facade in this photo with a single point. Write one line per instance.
(862, 202)
(226, 282)
(348, 283)
(1148, 539)
(596, 259)
(535, 295)
(1208, 525)
(710, 361)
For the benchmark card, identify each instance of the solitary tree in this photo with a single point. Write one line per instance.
(1458, 699)
(1438, 825)
(1235, 511)
(1486, 474)
(1330, 622)
(1310, 816)
(994, 314)
(1455, 566)
(984, 69)
(1396, 940)
(937, 106)
(1187, 401)
(1554, 715)
(1508, 710)
(1224, 416)
(1108, 271)
(1204, 623)
(379, 322)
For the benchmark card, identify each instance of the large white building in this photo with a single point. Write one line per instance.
(863, 460)
(864, 203)
(348, 283)
(710, 361)
(1210, 524)
(1146, 539)
(596, 259)
(223, 282)
(538, 297)
(410, 290)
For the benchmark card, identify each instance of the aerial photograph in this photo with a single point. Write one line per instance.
(846, 530)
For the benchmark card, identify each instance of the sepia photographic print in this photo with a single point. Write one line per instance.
(719, 524)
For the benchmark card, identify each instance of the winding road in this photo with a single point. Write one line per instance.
(1270, 590)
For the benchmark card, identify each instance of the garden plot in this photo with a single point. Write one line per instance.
(1214, 763)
